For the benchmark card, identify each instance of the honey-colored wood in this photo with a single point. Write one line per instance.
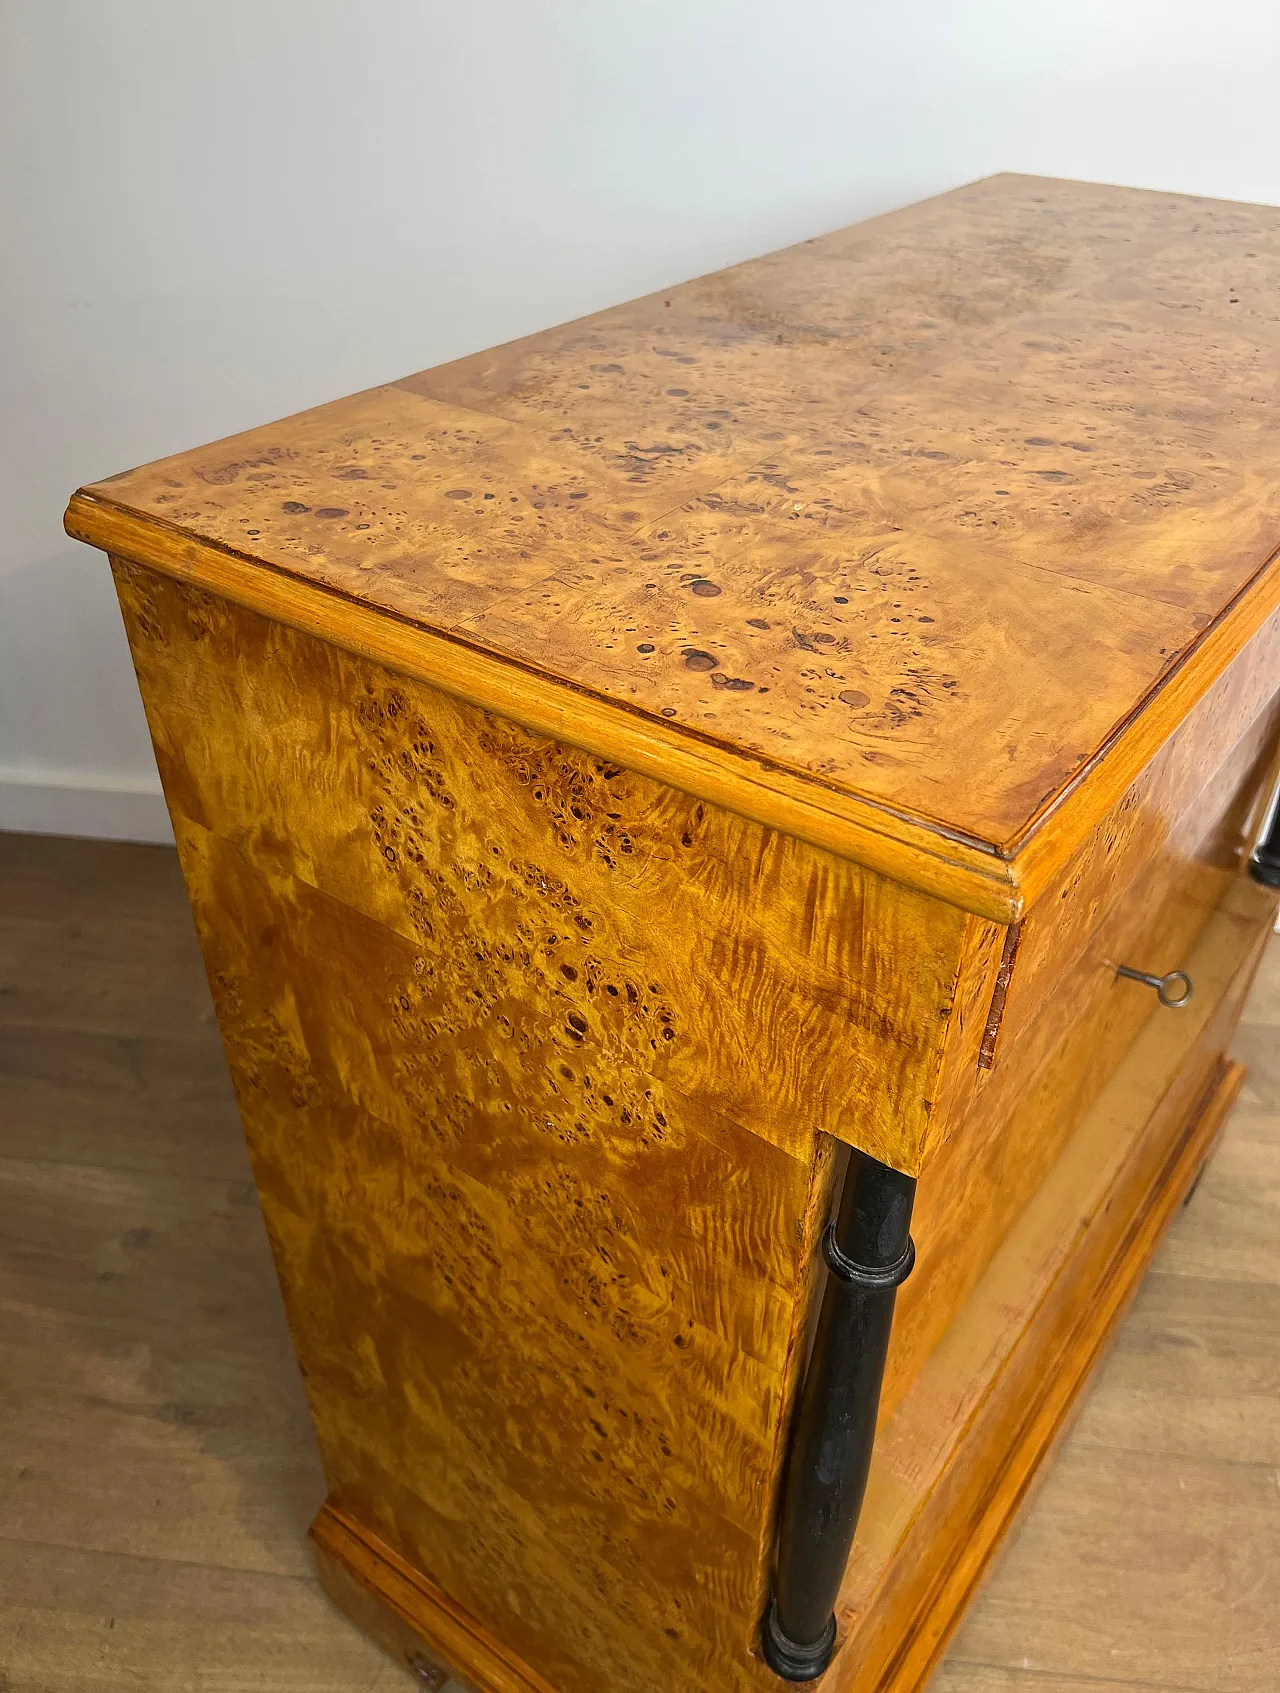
(892, 1642)
(628, 1148)
(596, 808)
(976, 880)
(1183, 822)
(957, 1460)
(1140, 892)
(352, 949)
(877, 562)
(406, 1613)
(698, 964)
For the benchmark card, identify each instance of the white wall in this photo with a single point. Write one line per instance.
(214, 214)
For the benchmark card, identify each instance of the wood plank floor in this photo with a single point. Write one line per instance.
(156, 1467)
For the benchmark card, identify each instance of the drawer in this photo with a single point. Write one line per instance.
(1185, 819)
(1139, 892)
(1146, 887)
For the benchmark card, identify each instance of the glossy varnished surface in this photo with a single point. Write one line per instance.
(532, 1055)
(547, 931)
(533, 731)
(153, 1531)
(920, 512)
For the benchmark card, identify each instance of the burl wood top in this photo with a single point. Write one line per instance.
(912, 518)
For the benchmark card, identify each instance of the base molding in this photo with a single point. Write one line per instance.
(408, 1615)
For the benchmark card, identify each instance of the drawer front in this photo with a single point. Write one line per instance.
(1139, 892)
(1184, 821)
(1164, 880)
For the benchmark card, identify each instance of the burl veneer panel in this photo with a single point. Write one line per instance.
(532, 1055)
(920, 511)
(764, 981)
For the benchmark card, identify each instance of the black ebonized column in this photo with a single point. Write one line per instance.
(1264, 866)
(869, 1253)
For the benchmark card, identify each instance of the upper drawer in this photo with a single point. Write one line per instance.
(1149, 875)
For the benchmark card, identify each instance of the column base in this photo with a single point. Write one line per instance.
(1264, 866)
(790, 1660)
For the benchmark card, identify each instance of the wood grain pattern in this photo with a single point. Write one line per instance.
(407, 1614)
(966, 875)
(697, 962)
(985, 1484)
(609, 772)
(473, 989)
(535, 1060)
(1004, 1142)
(957, 1459)
(1141, 889)
(1186, 819)
(894, 535)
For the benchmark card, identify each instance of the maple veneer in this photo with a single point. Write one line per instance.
(623, 778)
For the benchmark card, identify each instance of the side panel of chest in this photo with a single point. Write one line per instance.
(533, 1056)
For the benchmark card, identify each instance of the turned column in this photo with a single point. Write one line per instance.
(869, 1253)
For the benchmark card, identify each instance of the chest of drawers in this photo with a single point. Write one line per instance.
(667, 805)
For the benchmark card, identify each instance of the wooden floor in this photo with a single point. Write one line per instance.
(156, 1468)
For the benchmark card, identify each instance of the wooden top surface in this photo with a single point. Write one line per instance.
(912, 518)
